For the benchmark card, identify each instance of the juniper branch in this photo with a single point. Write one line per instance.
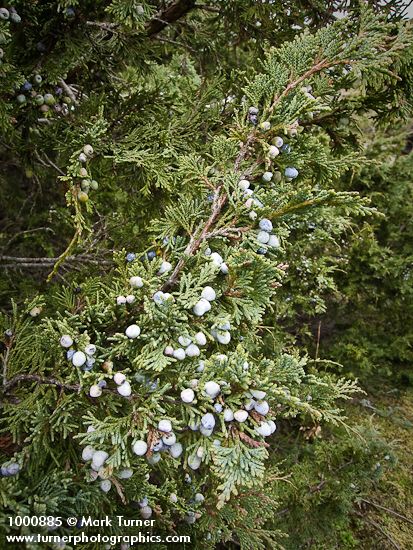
(230, 232)
(8, 384)
(68, 90)
(318, 67)
(5, 363)
(40, 380)
(217, 205)
(169, 15)
(49, 163)
(103, 25)
(21, 262)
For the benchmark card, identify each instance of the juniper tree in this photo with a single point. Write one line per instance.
(146, 381)
(380, 315)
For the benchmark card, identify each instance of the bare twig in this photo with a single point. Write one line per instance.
(5, 362)
(318, 340)
(68, 90)
(282, 512)
(26, 232)
(24, 265)
(169, 15)
(119, 489)
(49, 163)
(404, 518)
(18, 262)
(317, 488)
(252, 442)
(162, 19)
(227, 232)
(170, 41)
(111, 27)
(205, 7)
(382, 531)
(43, 120)
(40, 380)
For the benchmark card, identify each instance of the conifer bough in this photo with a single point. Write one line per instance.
(162, 379)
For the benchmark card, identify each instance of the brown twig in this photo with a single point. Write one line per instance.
(217, 205)
(175, 42)
(205, 7)
(382, 531)
(40, 380)
(23, 265)
(252, 442)
(169, 15)
(318, 487)
(119, 489)
(103, 25)
(6, 360)
(26, 232)
(49, 163)
(318, 67)
(13, 262)
(68, 90)
(227, 232)
(404, 518)
(318, 340)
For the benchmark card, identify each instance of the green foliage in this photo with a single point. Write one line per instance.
(132, 169)
(326, 477)
(380, 315)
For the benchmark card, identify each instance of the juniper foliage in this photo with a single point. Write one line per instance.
(172, 135)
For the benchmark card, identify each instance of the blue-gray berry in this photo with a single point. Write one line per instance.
(10, 470)
(158, 446)
(265, 225)
(15, 17)
(208, 421)
(27, 86)
(291, 172)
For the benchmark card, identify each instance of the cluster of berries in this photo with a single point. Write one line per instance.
(10, 15)
(189, 346)
(87, 184)
(80, 358)
(31, 93)
(265, 236)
